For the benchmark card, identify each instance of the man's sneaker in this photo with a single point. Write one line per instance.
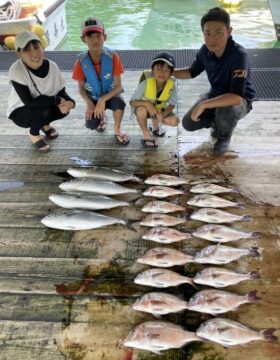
(221, 146)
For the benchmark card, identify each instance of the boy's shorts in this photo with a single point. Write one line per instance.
(116, 103)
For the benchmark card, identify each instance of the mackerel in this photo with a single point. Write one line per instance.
(96, 186)
(85, 201)
(102, 173)
(79, 220)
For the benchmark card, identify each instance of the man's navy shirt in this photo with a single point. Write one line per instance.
(228, 74)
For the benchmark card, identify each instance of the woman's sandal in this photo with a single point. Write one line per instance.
(145, 143)
(42, 146)
(51, 133)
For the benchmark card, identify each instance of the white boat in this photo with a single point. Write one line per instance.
(20, 15)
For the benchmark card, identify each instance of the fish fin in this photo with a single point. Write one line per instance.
(214, 299)
(246, 218)
(224, 329)
(252, 296)
(254, 251)
(254, 275)
(268, 335)
(215, 249)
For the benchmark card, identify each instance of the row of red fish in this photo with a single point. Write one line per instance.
(156, 336)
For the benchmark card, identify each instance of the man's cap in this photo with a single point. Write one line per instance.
(92, 24)
(165, 57)
(23, 38)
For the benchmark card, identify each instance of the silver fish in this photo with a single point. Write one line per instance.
(156, 336)
(161, 220)
(164, 257)
(96, 186)
(162, 207)
(216, 302)
(222, 254)
(159, 303)
(165, 235)
(85, 201)
(165, 180)
(161, 191)
(228, 332)
(217, 216)
(219, 277)
(210, 189)
(79, 220)
(220, 233)
(102, 173)
(161, 278)
(211, 201)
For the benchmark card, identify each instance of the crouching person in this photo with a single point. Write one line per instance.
(38, 94)
(155, 98)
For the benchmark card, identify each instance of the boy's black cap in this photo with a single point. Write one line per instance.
(165, 57)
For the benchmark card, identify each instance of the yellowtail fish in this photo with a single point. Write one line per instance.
(159, 303)
(85, 201)
(228, 332)
(102, 173)
(161, 220)
(161, 278)
(216, 302)
(79, 220)
(219, 277)
(165, 235)
(165, 180)
(217, 216)
(210, 189)
(164, 257)
(161, 191)
(222, 254)
(162, 207)
(212, 201)
(96, 186)
(220, 233)
(156, 336)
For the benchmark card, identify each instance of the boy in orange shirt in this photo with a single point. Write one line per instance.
(98, 72)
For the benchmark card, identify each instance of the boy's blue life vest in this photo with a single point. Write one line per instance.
(93, 85)
(151, 90)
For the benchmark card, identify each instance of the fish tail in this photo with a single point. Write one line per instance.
(268, 334)
(255, 235)
(246, 218)
(254, 251)
(240, 205)
(252, 296)
(254, 275)
(130, 226)
(191, 282)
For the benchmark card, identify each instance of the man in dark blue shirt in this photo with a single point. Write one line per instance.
(228, 70)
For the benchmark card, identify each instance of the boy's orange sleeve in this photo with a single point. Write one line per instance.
(78, 73)
(117, 65)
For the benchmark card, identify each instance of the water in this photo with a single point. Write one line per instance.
(157, 24)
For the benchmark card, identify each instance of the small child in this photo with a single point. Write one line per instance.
(98, 72)
(156, 98)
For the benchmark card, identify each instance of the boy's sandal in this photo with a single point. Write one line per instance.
(156, 132)
(102, 126)
(122, 138)
(42, 146)
(51, 133)
(149, 143)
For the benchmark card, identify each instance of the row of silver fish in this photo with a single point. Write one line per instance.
(156, 336)
(87, 191)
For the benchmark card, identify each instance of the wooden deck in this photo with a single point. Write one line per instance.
(41, 317)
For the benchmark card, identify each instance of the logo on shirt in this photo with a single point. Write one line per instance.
(107, 76)
(240, 73)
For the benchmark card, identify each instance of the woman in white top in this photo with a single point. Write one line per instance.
(38, 94)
